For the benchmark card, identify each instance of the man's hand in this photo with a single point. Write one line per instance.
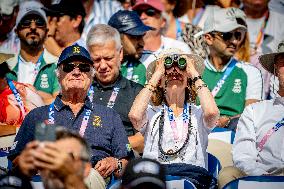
(26, 159)
(49, 157)
(106, 166)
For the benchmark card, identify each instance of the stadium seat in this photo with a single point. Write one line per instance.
(222, 134)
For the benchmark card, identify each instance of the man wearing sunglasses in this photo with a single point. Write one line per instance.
(34, 65)
(150, 13)
(233, 84)
(100, 126)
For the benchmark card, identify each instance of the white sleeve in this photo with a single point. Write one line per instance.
(254, 88)
(244, 147)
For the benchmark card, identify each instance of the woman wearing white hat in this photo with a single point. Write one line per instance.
(175, 129)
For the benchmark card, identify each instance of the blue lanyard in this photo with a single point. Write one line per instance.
(37, 66)
(228, 71)
(111, 101)
(130, 68)
(17, 96)
(84, 123)
(179, 30)
(185, 117)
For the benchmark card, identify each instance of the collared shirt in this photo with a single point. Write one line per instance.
(256, 120)
(46, 79)
(244, 82)
(134, 70)
(126, 95)
(104, 133)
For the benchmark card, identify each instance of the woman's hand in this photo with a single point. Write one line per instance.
(158, 73)
(190, 68)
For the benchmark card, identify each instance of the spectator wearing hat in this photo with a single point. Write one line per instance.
(260, 130)
(9, 43)
(74, 111)
(110, 88)
(175, 129)
(233, 83)
(143, 173)
(150, 13)
(132, 31)
(34, 65)
(66, 24)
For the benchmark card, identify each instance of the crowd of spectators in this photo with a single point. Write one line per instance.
(99, 92)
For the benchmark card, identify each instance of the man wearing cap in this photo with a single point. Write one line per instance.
(110, 88)
(100, 126)
(9, 43)
(131, 30)
(260, 130)
(150, 12)
(34, 65)
(233, 84)
(66, 24)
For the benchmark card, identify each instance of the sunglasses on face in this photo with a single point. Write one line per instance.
(40, 23)
(148, 12)
(238, 35)
(69, 67)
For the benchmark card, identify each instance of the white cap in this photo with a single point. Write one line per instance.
(30, 7)
(223, 20)
(7, 6)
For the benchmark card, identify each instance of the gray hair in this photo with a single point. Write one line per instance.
(102, 33)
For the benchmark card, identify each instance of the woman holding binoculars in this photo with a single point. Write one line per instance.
(175, 129)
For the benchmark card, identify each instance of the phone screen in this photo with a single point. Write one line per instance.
(45, 132)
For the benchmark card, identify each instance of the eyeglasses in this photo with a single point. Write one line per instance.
(148, 12)
(27, 23)
(238, 35)
(69, 67)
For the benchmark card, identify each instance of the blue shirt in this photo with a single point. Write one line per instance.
(105, 132)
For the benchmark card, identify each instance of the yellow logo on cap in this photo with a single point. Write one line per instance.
(76, 50)
(97, 121)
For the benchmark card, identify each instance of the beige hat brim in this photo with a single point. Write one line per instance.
(4, 57)
(267, 61)
(198, 63)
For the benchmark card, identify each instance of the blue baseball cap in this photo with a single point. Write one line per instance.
(74, 52)
(128, 22)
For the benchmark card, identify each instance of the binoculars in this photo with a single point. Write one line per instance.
(175, 59)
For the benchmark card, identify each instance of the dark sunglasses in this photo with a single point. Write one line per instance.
(238, 35)
(148, 12)
(69, 67)
(27, 23)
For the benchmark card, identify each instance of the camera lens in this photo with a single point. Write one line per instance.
(168, 61)
(182, 63)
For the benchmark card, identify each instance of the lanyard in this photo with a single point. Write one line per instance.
(179, 30)
(84, 123)
(129, 71)
(37, 66)
(185, 117)
(198, 16)
(111, 101)
(269, 133)
(220, 83)
(261, 32)
(17, 96)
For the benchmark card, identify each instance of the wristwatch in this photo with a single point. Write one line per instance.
(119, 166)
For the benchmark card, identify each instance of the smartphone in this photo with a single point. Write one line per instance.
(45, 132)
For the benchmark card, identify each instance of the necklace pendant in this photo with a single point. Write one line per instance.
(170, 151)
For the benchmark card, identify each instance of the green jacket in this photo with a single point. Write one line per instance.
(46, 79)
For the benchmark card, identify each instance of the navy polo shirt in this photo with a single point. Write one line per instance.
(105, 133)
(128, 90)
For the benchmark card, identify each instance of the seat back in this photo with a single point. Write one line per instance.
(222, 134)
(259, 182)
(214, 165)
